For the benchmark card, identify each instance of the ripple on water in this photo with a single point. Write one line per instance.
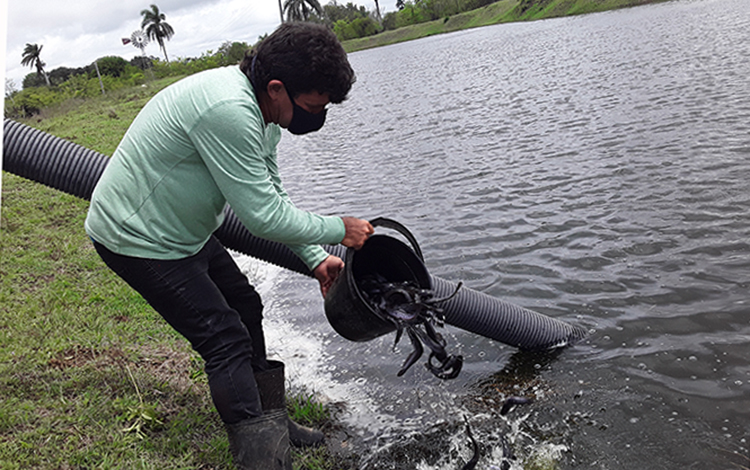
(593, 168)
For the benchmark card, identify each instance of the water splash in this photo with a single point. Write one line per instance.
(397, 423)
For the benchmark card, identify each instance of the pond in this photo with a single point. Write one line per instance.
(595, 169)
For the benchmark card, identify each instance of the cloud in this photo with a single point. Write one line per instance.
(34, 18)
(75, 33)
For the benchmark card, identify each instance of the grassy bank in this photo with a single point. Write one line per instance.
(503, 11)
(90, 375)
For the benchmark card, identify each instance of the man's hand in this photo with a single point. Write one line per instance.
(327, 272)
(357, 231)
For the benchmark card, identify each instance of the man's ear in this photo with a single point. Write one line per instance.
(275, 89)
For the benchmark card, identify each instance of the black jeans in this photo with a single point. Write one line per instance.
(208, 300)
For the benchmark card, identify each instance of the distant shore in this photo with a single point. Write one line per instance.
(503, 11)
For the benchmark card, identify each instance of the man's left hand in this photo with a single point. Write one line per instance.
(327, 272)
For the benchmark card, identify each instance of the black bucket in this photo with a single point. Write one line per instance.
(347, 309)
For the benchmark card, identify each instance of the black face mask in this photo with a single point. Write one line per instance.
(304, 121)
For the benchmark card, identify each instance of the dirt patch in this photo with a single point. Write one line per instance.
(161, 363)
(30, 282)
(79, 356)
(168, 365)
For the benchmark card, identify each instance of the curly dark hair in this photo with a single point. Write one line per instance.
(305, 57)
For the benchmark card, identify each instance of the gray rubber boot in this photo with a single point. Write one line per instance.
(261, 443)
(302, 436)
(271, 389)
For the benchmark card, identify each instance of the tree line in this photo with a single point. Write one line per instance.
(348, 21)
(114, 73)
(153, 25)
(65, 82)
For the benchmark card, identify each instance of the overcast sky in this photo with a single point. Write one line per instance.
(74, 33)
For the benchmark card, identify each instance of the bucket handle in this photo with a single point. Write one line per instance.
(392, 224)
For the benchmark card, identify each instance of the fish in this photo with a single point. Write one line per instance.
(508, 454)
(512, 402)
(413, 309)
(471, 464)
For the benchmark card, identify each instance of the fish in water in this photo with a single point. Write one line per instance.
(508, 454)
(414, 310)
(512, 402)
(475, 457)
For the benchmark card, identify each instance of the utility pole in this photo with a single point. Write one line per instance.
(96, 66)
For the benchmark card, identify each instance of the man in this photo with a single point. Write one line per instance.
(208, 140)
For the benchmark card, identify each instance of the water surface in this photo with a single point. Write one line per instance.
(595, 169)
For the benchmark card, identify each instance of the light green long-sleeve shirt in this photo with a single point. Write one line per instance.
(196, 146)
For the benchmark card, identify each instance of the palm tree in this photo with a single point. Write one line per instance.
(31, 58)
(300, 10)
(156, 28)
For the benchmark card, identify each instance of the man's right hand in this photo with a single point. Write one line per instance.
(357, 232)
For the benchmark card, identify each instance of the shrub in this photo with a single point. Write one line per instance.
(112, 65)
(33, 79)
(62, 74)
(142, 62)
(30, 101)
(231, 53)
(357, 28)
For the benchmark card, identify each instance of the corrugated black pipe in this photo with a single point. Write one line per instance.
(71, 168)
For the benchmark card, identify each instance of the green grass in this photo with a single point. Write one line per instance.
(306, 410)
(90, 375)
(502, 11)
(99, 123)
(470, 19)
(84, 358)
